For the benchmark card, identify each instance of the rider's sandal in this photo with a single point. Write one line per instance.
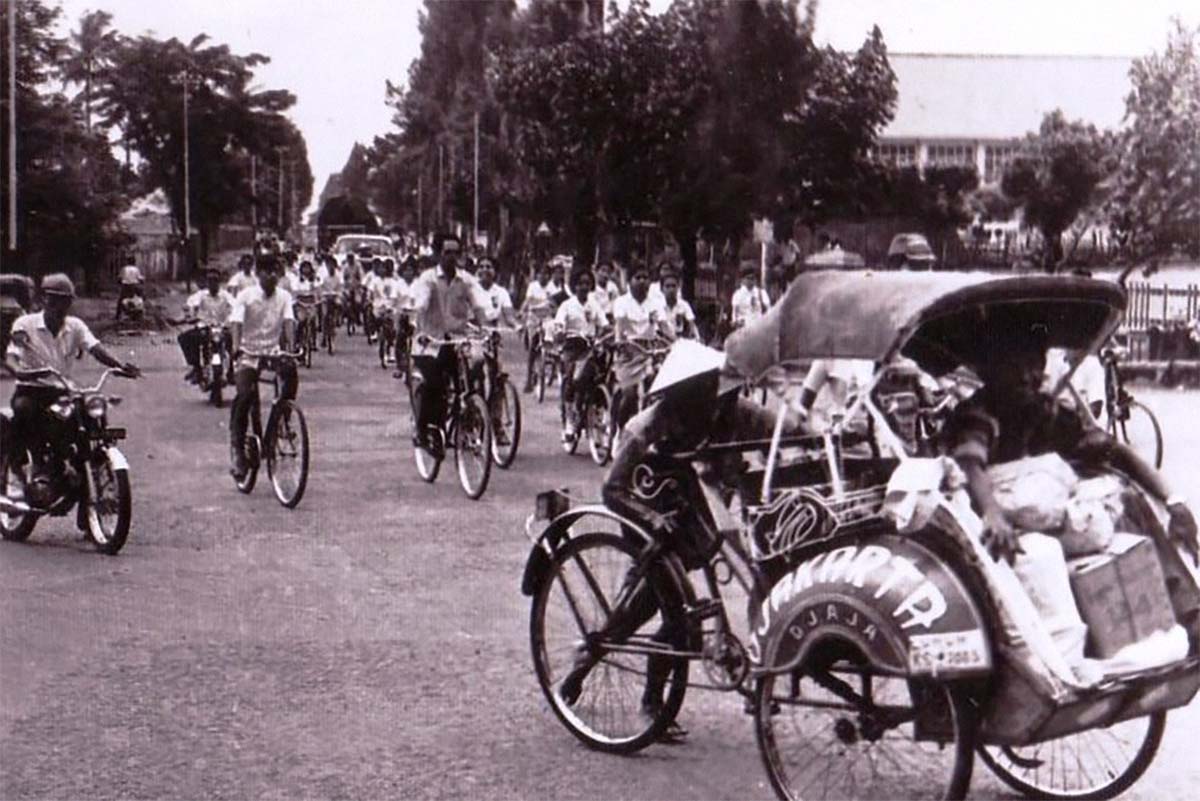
(673, 734)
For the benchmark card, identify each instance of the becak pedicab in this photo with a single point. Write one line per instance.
(894, 647)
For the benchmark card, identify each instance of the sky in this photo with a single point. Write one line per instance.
(335, 55)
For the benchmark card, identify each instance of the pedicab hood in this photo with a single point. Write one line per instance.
(939, 319)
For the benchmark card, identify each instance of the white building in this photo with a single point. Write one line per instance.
(959, 110)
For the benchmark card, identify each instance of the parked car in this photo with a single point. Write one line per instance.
(911, 251)
(360, 245)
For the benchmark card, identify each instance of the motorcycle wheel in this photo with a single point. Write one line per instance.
(109, 513)
(14, 527)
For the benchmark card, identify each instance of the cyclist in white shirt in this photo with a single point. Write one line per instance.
(750, 301)
(244, 277)
(637, 315)
(305, 290)
(333, 283)
(209, 307)
(680, 318)
(500, 307)
(578, 321)
(537, 308)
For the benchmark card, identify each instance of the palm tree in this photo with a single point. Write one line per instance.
(91, 52)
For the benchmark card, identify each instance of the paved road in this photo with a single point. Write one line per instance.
(372, 643)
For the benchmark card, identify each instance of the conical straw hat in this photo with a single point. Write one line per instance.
(686, 359)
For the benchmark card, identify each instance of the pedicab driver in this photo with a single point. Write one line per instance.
(445, 303)
(261, 319)
(693, 408)
(1010, 417)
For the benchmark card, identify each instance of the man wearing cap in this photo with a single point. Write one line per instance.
(750, 301)
(261, 318)
(42, 344)
(445, 303)
(652, 481)
(209, 307)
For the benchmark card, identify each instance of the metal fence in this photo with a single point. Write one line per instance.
(1160, 306)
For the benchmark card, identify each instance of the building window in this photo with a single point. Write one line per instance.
(951, 156)
(996, 159)
(897, 155)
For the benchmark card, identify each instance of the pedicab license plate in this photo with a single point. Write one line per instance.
(952, 650)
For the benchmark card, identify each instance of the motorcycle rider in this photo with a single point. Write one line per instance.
(131, 285)
(262, 317)
(244, 277)
(41, 343)
(445, 303)
(209, 307)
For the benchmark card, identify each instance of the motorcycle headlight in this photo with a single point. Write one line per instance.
(61, 409)
(96, 407)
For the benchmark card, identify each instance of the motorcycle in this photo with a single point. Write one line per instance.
(885, 648)
(91, 476)
(214, 364)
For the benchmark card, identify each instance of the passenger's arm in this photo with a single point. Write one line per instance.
(998, 534)
(1182, 526)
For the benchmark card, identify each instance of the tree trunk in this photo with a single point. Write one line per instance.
(687, 252)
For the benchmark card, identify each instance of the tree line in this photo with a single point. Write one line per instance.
(715, 113)
(100, 122)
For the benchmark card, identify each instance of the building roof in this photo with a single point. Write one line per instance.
(1003, 97)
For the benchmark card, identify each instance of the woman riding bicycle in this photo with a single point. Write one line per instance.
(536, 310)
(578, 321)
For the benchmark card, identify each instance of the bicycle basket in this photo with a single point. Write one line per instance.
(798, 517)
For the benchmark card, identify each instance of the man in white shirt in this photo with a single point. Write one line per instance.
(445, 303)
(577, 323)
(500, 310)
(131, 283)
(637, 315)
(261, 318)
(750, 301)
(1088, 381)
(680, 319)
(244, 277)
(41, 343)
(208, 307)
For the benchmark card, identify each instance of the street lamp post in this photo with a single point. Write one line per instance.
(279, 221)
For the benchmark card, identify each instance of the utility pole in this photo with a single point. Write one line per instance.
(279, 220)
(420, 206)
(441, 199)
(475, 226)
(254, 200)
(187, 175)
(294, 213)
(12, 126)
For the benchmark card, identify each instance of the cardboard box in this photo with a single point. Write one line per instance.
(1121, 594)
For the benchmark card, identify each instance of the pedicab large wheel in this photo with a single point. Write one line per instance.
(1093, 764)
(834, 728)
(599, 426)
(14, 527)
(599, 699)
(1139, 428)
(473, 446)
(506, 411)
(287, 452)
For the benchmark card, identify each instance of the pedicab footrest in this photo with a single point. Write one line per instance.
(798, 517)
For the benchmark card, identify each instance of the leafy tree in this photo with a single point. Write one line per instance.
(69, 183)
(91, 52)
(229, 120)
(1054, 178)
(1156, 200)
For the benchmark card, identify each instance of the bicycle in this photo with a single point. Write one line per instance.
(1129, 420)
(385, 327)
(306, 334)
(285, 441)
(544, 361)
(403, 346)
(466, 427)
(330, 322)
(504, 402)
(654, 351)
(596, 408)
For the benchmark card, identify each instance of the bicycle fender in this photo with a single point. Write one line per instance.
(116, 458)
(896, 600)
(537, 566)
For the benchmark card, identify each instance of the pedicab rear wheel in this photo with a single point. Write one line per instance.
(835, 728)
(1059, 768)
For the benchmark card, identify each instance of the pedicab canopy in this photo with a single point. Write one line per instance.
(939, 319)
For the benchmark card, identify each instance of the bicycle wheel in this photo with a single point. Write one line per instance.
(599, 426)
(565, 414)
(832, 728)
(506, 422)
(1094, 764)
(602, 700)
(1139, 429)
(473, 446)
(287, 452)
(539, 364)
